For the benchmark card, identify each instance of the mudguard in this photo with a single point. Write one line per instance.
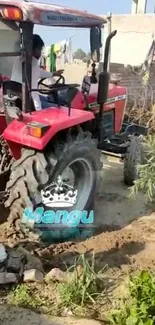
(56, 118)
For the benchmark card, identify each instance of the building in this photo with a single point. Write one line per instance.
(132, 53)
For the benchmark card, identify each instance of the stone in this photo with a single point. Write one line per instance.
(67, 312)
(15, 262)
(3, 254)
(32, 262)
(6, 278)
(56, 275)
(33, 276)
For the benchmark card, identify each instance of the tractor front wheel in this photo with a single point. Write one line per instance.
(77, 161)
(133, 158)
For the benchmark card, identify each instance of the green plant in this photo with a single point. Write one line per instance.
(146, 180)
(140, 310)
(81, 288)
(22, 296)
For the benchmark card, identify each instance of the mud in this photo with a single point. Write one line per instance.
(127, 245)
(125, 230)
(125, 240)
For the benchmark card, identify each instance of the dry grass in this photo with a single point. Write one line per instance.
(143, 116)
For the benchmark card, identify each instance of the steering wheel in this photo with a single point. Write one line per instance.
(41, 82)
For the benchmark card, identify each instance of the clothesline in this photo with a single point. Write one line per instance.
(57, 54)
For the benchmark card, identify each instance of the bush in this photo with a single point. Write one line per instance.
(140, 310)
(84, 287)
(146, 180)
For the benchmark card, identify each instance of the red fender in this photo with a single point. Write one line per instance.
(56, 118)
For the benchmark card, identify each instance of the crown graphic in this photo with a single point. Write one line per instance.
(59, 194)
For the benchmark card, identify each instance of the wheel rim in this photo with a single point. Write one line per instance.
(78, 176)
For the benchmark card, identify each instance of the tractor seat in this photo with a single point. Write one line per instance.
(12, 94)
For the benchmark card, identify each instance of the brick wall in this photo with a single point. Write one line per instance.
(132, 79)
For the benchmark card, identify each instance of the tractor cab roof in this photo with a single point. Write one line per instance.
(48, 14)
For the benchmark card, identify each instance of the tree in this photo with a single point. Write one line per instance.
(79, 54)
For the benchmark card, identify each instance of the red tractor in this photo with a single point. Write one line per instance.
(64, 143)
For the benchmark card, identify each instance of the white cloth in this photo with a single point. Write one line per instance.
(37, 74)
(46, 55)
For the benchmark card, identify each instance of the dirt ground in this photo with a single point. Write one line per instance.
(77, 77)
(13, 316)
(126, 242)
(125, 239)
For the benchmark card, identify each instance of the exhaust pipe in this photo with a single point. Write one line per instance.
(107, 49)
(103, 86)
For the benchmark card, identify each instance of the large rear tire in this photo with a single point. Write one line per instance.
(133, 158)
(34, 169)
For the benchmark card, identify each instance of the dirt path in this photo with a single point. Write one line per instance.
(18, 316)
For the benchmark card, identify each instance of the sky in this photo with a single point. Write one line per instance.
(80, 38)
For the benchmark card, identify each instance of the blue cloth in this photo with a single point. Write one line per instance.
(45, 103)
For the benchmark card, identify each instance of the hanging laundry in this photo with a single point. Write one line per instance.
(45, 58)
(69, 52)
(55, 56)
(57, 48)
(52, 59)
(43, 62)
(60, 49)
(63, 46)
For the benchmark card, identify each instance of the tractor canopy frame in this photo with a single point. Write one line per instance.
(24, 15)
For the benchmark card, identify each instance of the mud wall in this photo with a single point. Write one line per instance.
(141, 91)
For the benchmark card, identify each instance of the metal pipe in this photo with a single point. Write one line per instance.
(109, 32)
(111, 154)
(106, 51)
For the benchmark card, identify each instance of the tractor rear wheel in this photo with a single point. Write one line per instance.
(34, 170)
(133, 158)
